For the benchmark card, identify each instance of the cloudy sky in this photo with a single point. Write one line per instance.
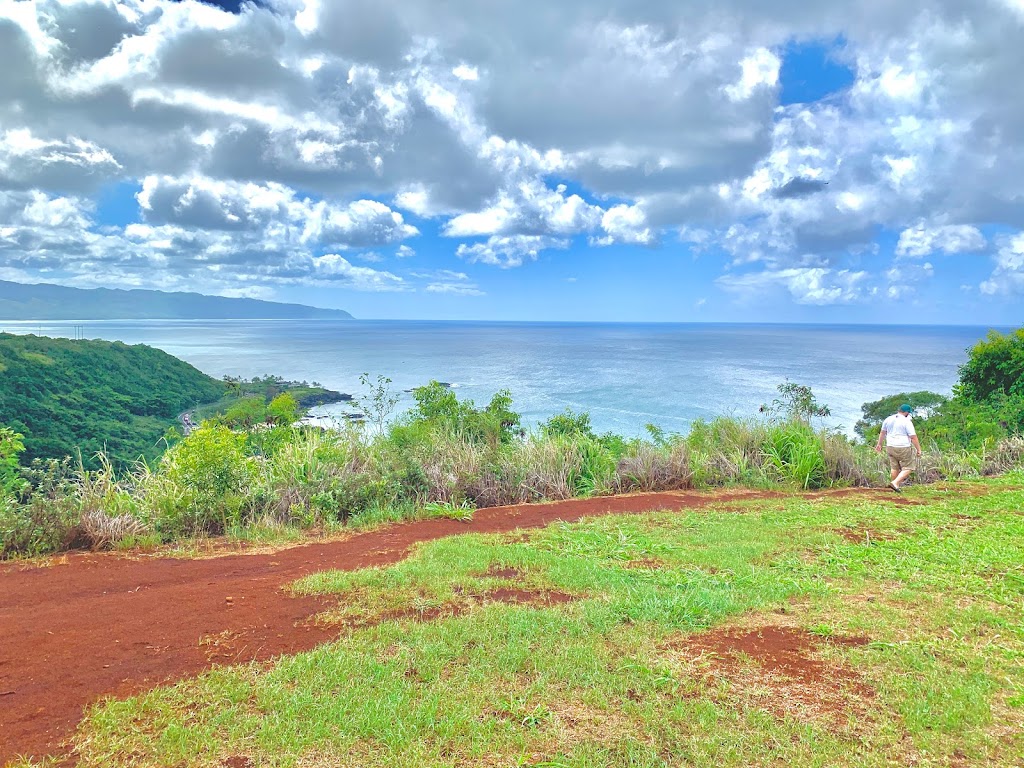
(837, 161)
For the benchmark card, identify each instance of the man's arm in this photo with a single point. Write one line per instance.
(917, 443)
(881, 439)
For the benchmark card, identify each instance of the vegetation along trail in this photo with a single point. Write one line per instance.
(106, 625)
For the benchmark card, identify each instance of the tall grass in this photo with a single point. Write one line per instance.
(448, 453)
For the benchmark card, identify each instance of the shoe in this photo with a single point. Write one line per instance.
(895, 488)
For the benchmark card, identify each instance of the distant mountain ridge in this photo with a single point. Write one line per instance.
(43, 301)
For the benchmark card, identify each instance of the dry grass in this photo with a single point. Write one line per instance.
(648, 468)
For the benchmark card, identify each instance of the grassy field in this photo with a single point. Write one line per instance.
(844, 631)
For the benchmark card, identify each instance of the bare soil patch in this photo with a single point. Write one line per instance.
(779, 669)
(91, 626)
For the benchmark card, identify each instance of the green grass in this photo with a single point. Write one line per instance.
(935, 588)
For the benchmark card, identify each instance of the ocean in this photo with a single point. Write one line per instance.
(624, 375)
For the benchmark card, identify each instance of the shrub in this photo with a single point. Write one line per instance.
(1007, 457)
(442, 412)
(547, 468)
(793, 453)
(568, 424)
(202, 483)
(846, 463)
(795, 402)
(995, 366)
(317, 477)
(456, 470)
(11, 447)
(38, 526)
(103, 530)
(108, 510)
(647, 468)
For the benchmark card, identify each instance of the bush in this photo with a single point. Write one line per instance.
(850, 464)
(446, 454)
(994, 367)
(546, 469)
(442, 413)
(793, 454)
(11, 447)
(108, 509)
(874, 413)
(1007, 457)
(38, 526)
(202, 485)
(648, 468)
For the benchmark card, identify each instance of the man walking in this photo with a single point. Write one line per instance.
(901, 444)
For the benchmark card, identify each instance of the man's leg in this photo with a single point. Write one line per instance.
(894, 467)
(901, 478)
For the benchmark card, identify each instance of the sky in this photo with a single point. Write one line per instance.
(844, 161)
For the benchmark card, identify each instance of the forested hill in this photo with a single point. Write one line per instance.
(63, 394)
(55, 302)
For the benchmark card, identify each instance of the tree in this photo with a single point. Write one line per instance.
(438, 408)
(995, 366)
(283, 410)
(377, 402)
(874, 413)
(11, 446)
(246, 413)
(795, 402)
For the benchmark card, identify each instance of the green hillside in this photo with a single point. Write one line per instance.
(64, 394)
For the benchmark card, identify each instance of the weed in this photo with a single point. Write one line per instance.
(463, 512)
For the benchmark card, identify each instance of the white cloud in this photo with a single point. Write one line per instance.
(626, 224)
(806, 285)
(466, 72)
(303, 126)
(905, 278)
(271, 208)
(758, 69)
(922, 240)
(27, 161)
(508, 250)
(1008, 276)
(334, 268)
(455, 289)
(529, 208)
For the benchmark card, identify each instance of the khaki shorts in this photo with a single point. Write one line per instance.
(901, 458)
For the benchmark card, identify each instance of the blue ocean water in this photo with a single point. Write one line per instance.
(625, 375)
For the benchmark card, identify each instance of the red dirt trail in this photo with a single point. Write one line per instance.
(104, 625)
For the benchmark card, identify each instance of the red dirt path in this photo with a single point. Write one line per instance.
(104, 625)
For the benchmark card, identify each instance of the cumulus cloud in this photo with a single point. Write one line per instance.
(806, 285)
(509, 250)
(923, 241)
(1008, 276)
(298, 129)
(27, 161)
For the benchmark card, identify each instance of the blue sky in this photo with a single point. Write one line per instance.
(845, 163)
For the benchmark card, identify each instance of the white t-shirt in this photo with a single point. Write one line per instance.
(898, 431)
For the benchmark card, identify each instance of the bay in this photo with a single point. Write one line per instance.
(624, 375)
